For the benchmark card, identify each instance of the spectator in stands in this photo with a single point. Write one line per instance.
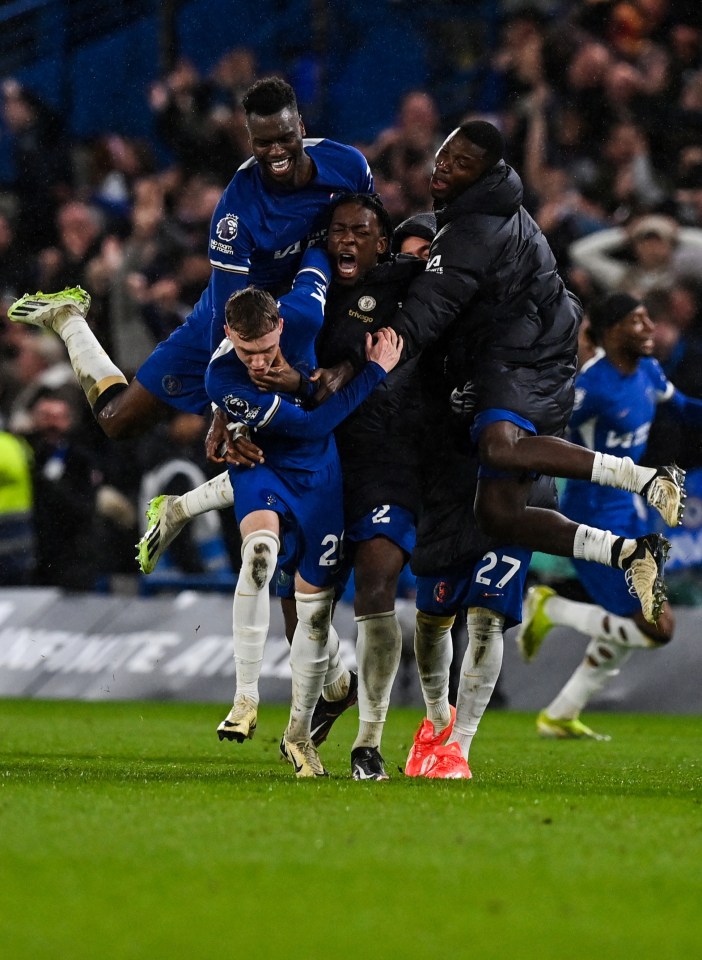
(32, 364)
(43, 172)
(404, 152)
(80, 229)
(115, 163)
(575, 66)
(15, 271)
(231, 77)
(65, 489)
(145, 305)
(688, 195)
(16, 528)
(562, 203)
(659, 252)
(678, 348)
(627, 179)
(196, 132)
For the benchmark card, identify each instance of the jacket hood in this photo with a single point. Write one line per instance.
(499, 192)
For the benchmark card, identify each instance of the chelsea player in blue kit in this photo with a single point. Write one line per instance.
(273, 206)
(616, 395)
(290, 509)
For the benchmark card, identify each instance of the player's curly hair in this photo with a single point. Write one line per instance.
(371, 201)
(251, 313)
(269, 95)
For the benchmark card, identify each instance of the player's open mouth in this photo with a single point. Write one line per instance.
(346, 264)
(437, 184)
(280, 167)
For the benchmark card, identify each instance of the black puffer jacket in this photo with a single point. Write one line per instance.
(378, 444)
(492, 288)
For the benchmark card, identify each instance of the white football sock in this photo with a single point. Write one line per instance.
(593, 544)
(602, 661)
(620, 472)
(433, 648)
(480, 670)
(595, 621)
(251, 610)
(378, 651)
(214, 494)
(337, 678)
(91, 365)
(309, 658)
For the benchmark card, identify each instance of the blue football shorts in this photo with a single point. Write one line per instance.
(175, 371)
(396, 524)
(496, 582)
(387, 520)
(310, 508)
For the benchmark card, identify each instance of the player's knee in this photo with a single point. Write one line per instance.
(259, 554)
(119, 422)
(431, 629)
(113, 427)
(314, 613)
(493, 519)
(497, 446)
(374, 594)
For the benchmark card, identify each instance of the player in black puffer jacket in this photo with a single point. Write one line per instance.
(492, 293)
(503, 329)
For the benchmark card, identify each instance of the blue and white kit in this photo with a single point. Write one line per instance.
(613, 412)
(257, 237)
(301, 478)
(496, 582)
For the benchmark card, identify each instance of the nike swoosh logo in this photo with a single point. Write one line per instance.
(291, 759)
(360, 774)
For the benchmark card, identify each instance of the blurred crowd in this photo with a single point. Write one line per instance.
(601, 106)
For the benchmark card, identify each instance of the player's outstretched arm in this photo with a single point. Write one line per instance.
(329, 380)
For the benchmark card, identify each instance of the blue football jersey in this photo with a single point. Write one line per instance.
(295, 438)
(257, 236)
(259, 232)
(612, 413)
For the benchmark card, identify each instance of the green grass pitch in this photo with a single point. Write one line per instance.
(127, 830)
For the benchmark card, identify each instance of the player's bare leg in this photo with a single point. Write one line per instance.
(505, 446)
(501, 510)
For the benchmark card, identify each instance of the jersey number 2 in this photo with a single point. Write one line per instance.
(330, 557)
